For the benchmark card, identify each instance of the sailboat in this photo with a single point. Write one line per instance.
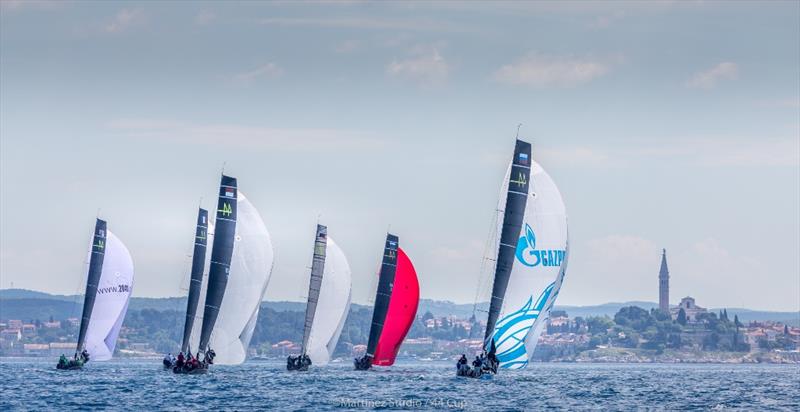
(238, 275)
(396, 302)
(328, 303)
(531, 260)
(195, 286)
(108, 288)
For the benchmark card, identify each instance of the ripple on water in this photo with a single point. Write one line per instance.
(138, 384)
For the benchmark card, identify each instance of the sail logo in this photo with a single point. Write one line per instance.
(100, 244)
(523, 158)
(226, 210)
(521, 180)
(528, 255)
(511, 331)
(120, 288)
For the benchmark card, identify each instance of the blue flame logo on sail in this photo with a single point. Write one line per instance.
(528, 255)
(510, 332)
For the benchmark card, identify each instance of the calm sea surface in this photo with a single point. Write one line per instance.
(35, 384)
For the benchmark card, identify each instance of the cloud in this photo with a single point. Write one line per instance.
(539, 71)
(790, 103)
(365, 23)
(711, 152)
(605, 21)
(204, 17)
(348, 46)
(700, 270)
(30, 4)
(426, 66)
(247, 137)
(269, 70)
(629, 261)
(472, 249)
(577, 156)
(707, 79)
(123, 20)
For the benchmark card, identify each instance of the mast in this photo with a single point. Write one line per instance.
(95, 271)
(196, 280)
(516, 200)
(384, 294)
(221, 254)
(315, 284)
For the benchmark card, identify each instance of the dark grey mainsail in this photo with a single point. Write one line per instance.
(221, 254)
(384, 294)
(95, 270)
(516, 200)
(317, 269)
(196, 280)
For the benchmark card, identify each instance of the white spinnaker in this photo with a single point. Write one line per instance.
(113, 292)
(332, 307)
(194, 338)
(250, 271)
(539, 266)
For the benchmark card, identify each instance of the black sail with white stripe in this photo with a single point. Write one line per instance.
(95, 271)
(317, 269)
(516, 200)
(221, 254)
(196, 279)
(384, 294)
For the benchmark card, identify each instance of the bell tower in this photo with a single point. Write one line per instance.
(663, 284)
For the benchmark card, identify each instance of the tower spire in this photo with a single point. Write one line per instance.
(663, 284)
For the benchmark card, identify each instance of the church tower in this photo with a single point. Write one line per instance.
(663, 284)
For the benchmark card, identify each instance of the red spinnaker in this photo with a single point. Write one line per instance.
(402, 311)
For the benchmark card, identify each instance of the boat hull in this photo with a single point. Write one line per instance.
(197, 371)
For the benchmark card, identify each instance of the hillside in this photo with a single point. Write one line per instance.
(28, 304)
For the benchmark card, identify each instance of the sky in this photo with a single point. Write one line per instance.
(669, 125)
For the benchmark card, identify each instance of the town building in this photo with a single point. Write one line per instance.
(11, 334)
(690, 308)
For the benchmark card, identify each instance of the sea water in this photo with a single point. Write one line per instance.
(35, 384)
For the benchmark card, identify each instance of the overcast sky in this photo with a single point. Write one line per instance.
(666, 125)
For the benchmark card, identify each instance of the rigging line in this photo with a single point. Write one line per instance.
(484, 268)
(518, 126)
(76, 296)
(187, 258)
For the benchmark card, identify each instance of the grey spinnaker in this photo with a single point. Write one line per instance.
(221, 253)
(384, 293)
(516, 199)
(93, 279)
(196, 280)
(315, 284)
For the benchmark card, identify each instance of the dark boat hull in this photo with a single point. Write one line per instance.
(475, 373)
(196, 371)
(71, 366)
(362, 364)
(294, 363)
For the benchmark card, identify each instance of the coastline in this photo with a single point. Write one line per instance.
(627, 355)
